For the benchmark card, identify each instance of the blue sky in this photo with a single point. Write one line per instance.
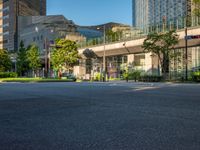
(92, 12)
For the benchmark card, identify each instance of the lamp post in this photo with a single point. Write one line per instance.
(45, 73)
(48, 45)
(47, 55)
(124, 44)
(103, 72)
(104, 53)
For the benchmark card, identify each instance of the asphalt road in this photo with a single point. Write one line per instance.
(95, 116)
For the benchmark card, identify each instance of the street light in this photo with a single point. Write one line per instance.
(45, 61)
(124, 44)
(47, 45)
(104, 52)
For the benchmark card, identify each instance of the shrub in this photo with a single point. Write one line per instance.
(196, 76)
(8, 75)
(132, 75)
(151, 78)
(135, 75)
(97, 77)
(125, 75)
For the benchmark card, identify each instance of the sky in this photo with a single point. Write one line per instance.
(92, 12)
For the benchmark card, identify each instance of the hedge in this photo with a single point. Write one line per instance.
(196, 76)
(8, 75)
(151, 78)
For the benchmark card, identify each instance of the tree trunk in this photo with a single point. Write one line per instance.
(59, 74)
(165, 66)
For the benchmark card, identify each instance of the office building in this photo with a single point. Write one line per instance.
(155, 13)
(10, 10)
(42, 30)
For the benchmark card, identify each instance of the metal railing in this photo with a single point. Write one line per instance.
(136, 33)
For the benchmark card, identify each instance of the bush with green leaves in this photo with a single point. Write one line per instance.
(131, 75)
(97, 76)
(134, 75)
(151, 78)
(125, 75)
(5, 61)
(196, 76)
(8, 75)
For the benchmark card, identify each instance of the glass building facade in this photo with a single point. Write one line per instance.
(140, 13)
(162, 15)
(148, 13)
(31, 7)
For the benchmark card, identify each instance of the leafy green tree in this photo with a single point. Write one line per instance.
(112, 36)
(33, 57)
(22, 62)
(162, 44)
(5, 61)
(196, 10)
(65, 55)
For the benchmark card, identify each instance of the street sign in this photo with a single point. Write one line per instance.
(191, 37)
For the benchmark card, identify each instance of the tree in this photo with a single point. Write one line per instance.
(65, 55)
(162, 44)
(196, 10)
(5, 61)
(22, 62)
(33, 57)
(112, 36)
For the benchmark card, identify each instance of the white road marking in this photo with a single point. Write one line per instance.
(145, 88)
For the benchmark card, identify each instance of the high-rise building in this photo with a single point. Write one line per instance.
(10, 10)
(149, 13)
(140, 13)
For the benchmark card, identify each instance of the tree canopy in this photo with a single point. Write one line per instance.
(196, 10)
(65, 54)
(5, 61)
(161, 44)
(112, 36)
(22, 62)
(33, 56)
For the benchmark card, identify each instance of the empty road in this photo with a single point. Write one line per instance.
(99, 116)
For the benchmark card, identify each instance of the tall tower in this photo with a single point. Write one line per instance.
(10, 10)
(133, 13)
(151, 13)
(140, 13)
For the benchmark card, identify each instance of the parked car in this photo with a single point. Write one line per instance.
(69, 76)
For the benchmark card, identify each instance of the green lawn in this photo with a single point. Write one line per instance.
(33, 80)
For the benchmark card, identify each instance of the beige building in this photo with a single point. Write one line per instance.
(10, 10)
(76, 37)
(127, 31)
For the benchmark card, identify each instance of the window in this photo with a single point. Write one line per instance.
(6, 17)
(4, 25)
